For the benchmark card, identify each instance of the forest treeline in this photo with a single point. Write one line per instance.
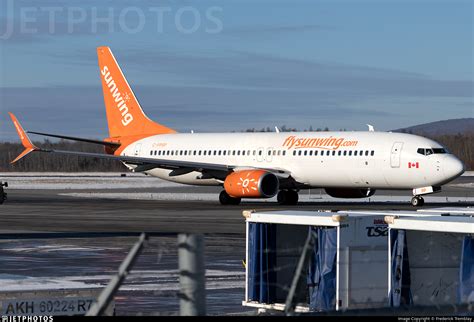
(461, 145)
(45, 162)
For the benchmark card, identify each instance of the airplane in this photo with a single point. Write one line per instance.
(261, 165)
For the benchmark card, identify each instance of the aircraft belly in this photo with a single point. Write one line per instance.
(365, 173)
(324, 173)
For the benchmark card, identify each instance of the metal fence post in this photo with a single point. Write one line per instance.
(302, 263)
(109, 291)
(192, 293)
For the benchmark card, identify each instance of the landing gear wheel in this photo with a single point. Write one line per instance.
(3, 194)
(293, 197)
(282, 197)
(225, 199)
(287, 197)
(417, 201)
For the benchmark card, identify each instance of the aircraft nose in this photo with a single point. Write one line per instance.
(453, 167)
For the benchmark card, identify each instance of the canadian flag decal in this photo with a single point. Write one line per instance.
(413, 165)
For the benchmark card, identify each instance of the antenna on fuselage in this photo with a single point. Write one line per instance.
(277, 129)
(371, 128)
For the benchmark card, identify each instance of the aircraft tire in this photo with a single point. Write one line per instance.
(293, 197)
(417, 201)
(225, 199)
(287, 197)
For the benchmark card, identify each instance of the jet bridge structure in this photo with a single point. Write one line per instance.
(319, 261)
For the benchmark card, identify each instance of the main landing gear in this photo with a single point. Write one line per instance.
(3, 194)
(287, 197)
(225, 199)
(284, 197)
(417, 201)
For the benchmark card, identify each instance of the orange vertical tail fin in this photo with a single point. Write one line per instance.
(125, 116)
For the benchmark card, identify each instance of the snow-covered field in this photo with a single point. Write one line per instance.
(213, 197)
(464, 185)
(147, 280)
(89, 181)
(112, 181)
(151, 287)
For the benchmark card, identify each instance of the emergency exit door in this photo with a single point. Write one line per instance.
(269, 155)
(138, 147)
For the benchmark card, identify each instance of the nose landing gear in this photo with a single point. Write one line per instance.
(417, 201)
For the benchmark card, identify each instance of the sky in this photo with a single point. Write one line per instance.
(221, 66)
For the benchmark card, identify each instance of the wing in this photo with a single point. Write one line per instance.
(111, 144)
(218, 171)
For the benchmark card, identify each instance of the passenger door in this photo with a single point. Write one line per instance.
(395, 154)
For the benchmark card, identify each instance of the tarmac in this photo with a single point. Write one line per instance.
(31, 256)
(38, 210)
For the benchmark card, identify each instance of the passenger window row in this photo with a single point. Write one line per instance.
(217, 152)
(335, 153)
(260, 152)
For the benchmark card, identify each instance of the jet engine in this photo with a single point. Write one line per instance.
(350, 193)
(251, 184)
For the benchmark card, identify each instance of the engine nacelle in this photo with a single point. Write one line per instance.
(350, 193)
(251, 184)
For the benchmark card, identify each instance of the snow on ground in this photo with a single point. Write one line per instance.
(89, 181)
(54, 248)
(69, 174)
(463, 185)
(103, 180)
(11, 282)
(147, 280)
(214, 197)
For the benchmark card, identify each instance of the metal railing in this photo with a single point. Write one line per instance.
(192, 292)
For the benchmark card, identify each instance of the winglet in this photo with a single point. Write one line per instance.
(25, 140)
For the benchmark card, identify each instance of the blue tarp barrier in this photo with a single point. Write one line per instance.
(400, 292)
(262, 262)
(321, 277)
(466, 271)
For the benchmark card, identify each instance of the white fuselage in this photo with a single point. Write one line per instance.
(377, 160)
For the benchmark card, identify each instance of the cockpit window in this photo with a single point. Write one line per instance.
(439, 151)
(431, 151)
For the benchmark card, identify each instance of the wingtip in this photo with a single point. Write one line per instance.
(25, 140)
(23, 154)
